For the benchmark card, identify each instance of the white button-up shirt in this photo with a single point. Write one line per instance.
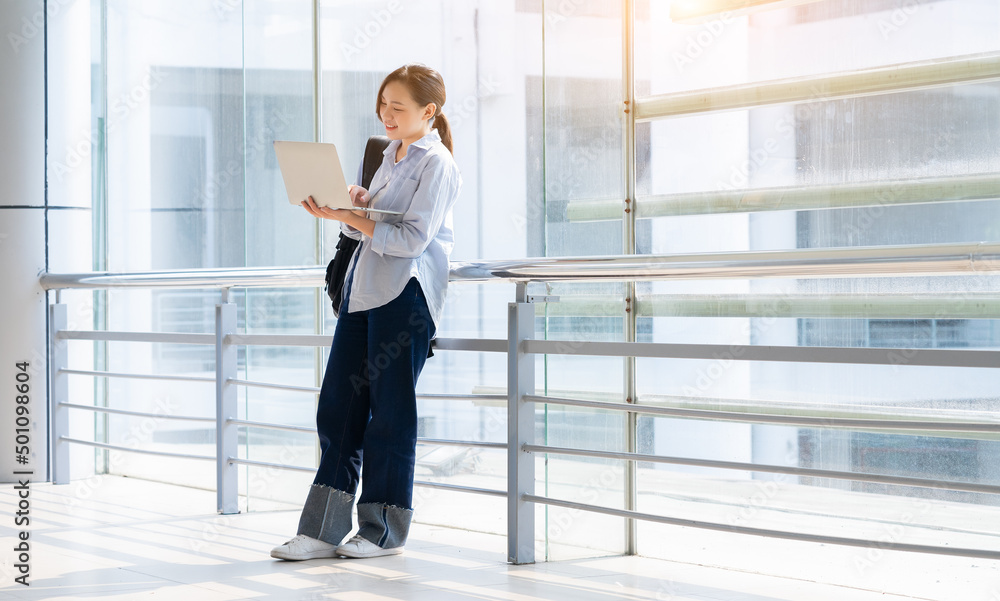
(424, 185)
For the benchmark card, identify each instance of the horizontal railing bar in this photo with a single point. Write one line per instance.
(110, 336)
(269, 426)
(237, 277)
(770, 469)
(795, 198)
(889, 261)
(489, 345)
(446, 344)
(255, 384)
(456, 487)
(429, 441)
(462, 397)
(797, 420)
(137, 413)
(111, 374)
(734, 529)
(462, 443)
(886, 261)
(314, 390)
(971, 305)
(756, 352)
(814, 409)
(115, 447)
(280, 339)
(834, 407)
(269, 464)
(469, 344)
(888, 79)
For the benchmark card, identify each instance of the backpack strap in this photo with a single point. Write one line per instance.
(373, 158)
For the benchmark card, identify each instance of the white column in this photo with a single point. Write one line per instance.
(22, 230)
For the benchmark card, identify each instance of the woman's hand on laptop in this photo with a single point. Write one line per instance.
(325, 212)
(355, 219)
(359, 198)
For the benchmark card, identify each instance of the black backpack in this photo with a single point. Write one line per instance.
(336, 271)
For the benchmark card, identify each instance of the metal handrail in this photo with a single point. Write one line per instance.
(759, 352)
(909, 260)
(767, 469)
(902, 260)
(887, 79)
(854, 423)
(928, 190)
(134, 376)
(520, 347)
(116, 447)
(768, 532)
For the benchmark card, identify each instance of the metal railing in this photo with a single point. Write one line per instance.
(521, 348)
(919, 75)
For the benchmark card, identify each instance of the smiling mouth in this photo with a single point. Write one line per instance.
(391, 126)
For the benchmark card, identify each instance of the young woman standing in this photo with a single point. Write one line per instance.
(393, 299)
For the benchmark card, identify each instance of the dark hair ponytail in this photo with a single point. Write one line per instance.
(426, 86)
(444, 129)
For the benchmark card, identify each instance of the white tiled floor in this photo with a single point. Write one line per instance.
(127, 539)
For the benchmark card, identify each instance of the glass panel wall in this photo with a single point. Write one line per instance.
(176, 190)
(888, 169)
(185, 175)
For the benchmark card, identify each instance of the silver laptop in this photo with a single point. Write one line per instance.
(314, 169)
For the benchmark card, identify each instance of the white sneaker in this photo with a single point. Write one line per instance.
(304, 547)
(362, 547)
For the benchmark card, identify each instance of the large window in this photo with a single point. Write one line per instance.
(742, 136)
(728, 169)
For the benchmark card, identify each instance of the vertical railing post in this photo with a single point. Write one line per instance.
(520, 430)
(58, 394)
(226, 433)
(629, 248)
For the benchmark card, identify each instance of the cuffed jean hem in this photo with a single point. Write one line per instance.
(326, 514)
(385, 525)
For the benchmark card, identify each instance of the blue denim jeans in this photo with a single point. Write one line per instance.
(367, 421)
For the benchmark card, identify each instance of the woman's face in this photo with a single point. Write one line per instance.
(403, 119)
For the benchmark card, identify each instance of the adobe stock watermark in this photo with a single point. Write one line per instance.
(567, 183)
(898, 18)
(899, 357)
(892, 193)
(666, 589)
(697, 44)
(365, 34)
(560, 11)
(465, 108)
(396, 349)
(79, 153)
(722, 362)
(233, 169)
(766, 491)
(892, 533)
(590, 494)
(263, 482)
(224, 8)
(739, 174)
(137, 435)
(32, 27)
